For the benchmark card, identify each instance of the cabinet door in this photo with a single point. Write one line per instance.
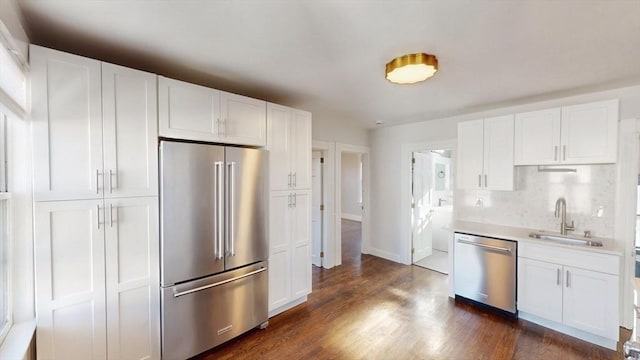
(590, 133)
(498, 153)
(470, 147)
(130, 132)
(280, 249)
(188, 111)
(67, 126)
(244, 120)
(301, 149)
(537, 137)
(540, 289)
(132, 279)
(70, 279)
(591, 302)
(279, 146)
(301, 244)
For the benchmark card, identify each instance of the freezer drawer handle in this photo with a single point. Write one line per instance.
(496, 248)
(177, 294)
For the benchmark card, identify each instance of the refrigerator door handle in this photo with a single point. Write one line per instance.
(231, 207)
(209, 286)
(218, 228)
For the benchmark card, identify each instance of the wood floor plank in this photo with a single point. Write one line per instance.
(371, 308)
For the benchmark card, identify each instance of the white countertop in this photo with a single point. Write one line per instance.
(609, 246)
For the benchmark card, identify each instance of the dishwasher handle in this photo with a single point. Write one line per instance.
(485, 246)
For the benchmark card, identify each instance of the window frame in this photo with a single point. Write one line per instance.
(5, 234)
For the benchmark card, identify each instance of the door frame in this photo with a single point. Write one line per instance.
(415, 207)
(328, 153)
(336, 251)
(406, 180)
(625, 211)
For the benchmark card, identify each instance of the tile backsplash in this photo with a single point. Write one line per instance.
(589, 193)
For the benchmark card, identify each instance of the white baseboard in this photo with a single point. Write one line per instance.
(287, 306)
(352, 217)
(385, 255)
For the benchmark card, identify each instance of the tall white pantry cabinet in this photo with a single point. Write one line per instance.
(289, 144)
(96, 211)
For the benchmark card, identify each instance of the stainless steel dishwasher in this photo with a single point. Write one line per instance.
(485, 271)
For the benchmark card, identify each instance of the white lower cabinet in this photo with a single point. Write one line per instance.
(577, 292)
(290, 249)
(97, 279)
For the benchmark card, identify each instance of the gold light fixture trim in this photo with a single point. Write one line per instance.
(411, 68)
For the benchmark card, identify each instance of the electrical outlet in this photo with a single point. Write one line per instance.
(479, 202)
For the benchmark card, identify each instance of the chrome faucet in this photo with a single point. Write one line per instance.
(561, 211)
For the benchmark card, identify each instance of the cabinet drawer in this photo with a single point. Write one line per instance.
(577, 258)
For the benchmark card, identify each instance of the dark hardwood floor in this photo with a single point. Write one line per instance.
(370, 308)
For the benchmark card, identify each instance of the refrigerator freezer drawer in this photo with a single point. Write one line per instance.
(202, 314)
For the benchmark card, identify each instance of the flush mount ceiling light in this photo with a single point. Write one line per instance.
(411, 68)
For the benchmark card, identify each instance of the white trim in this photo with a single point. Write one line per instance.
(405, 199)
(364, 151)
(18, 341)
(287, 306)
(352, 217)
(625, 212)
(594, 339)
(385, 254)
(328, 152)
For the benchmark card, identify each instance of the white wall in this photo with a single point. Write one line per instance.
(351, 186)
(10, 17)
(386, 142)
(336, 130)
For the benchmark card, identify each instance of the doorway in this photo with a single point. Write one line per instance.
(431, 208)
(351, 205)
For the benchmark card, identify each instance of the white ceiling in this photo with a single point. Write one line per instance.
(329, 56)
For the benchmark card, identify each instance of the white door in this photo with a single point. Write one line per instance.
(280, 249)
(132, 278)
(279, 145)
(537, 137)
(498, 153)
(422, 209)
(188, 111)
(540, 289)
(316, 212)
(589, 299)
(67, 126)
(130, 132)
(244, 120)
(301, 244)
(589, 133)
(70, 278)
(301, 149)
(470, 148)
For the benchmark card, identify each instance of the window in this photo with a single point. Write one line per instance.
(5, 243)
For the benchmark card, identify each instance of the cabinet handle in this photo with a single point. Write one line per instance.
(110, 181)
(218, 127)
(97, 181)
(289, 178)
(98, 215)
(289, 200)
(111, 215)
(295, 200)
(295, 179)
(485, 181)
(555, 153)
(564, 152)
(479, 180)
(558, 277)
(224, 126)
(567, 278)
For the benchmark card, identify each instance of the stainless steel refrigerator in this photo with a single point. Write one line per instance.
(213, 245)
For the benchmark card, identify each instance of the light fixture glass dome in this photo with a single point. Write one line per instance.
(411, 68)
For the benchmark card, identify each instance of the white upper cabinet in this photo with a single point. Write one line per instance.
(193, 112)
(589, 133)
(67, 125)
(485, 154)
(537, 137)
(289, 143)
(579, 134)
(130, 126)
(94, 128)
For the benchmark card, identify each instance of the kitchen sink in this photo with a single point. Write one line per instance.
(563, 239)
